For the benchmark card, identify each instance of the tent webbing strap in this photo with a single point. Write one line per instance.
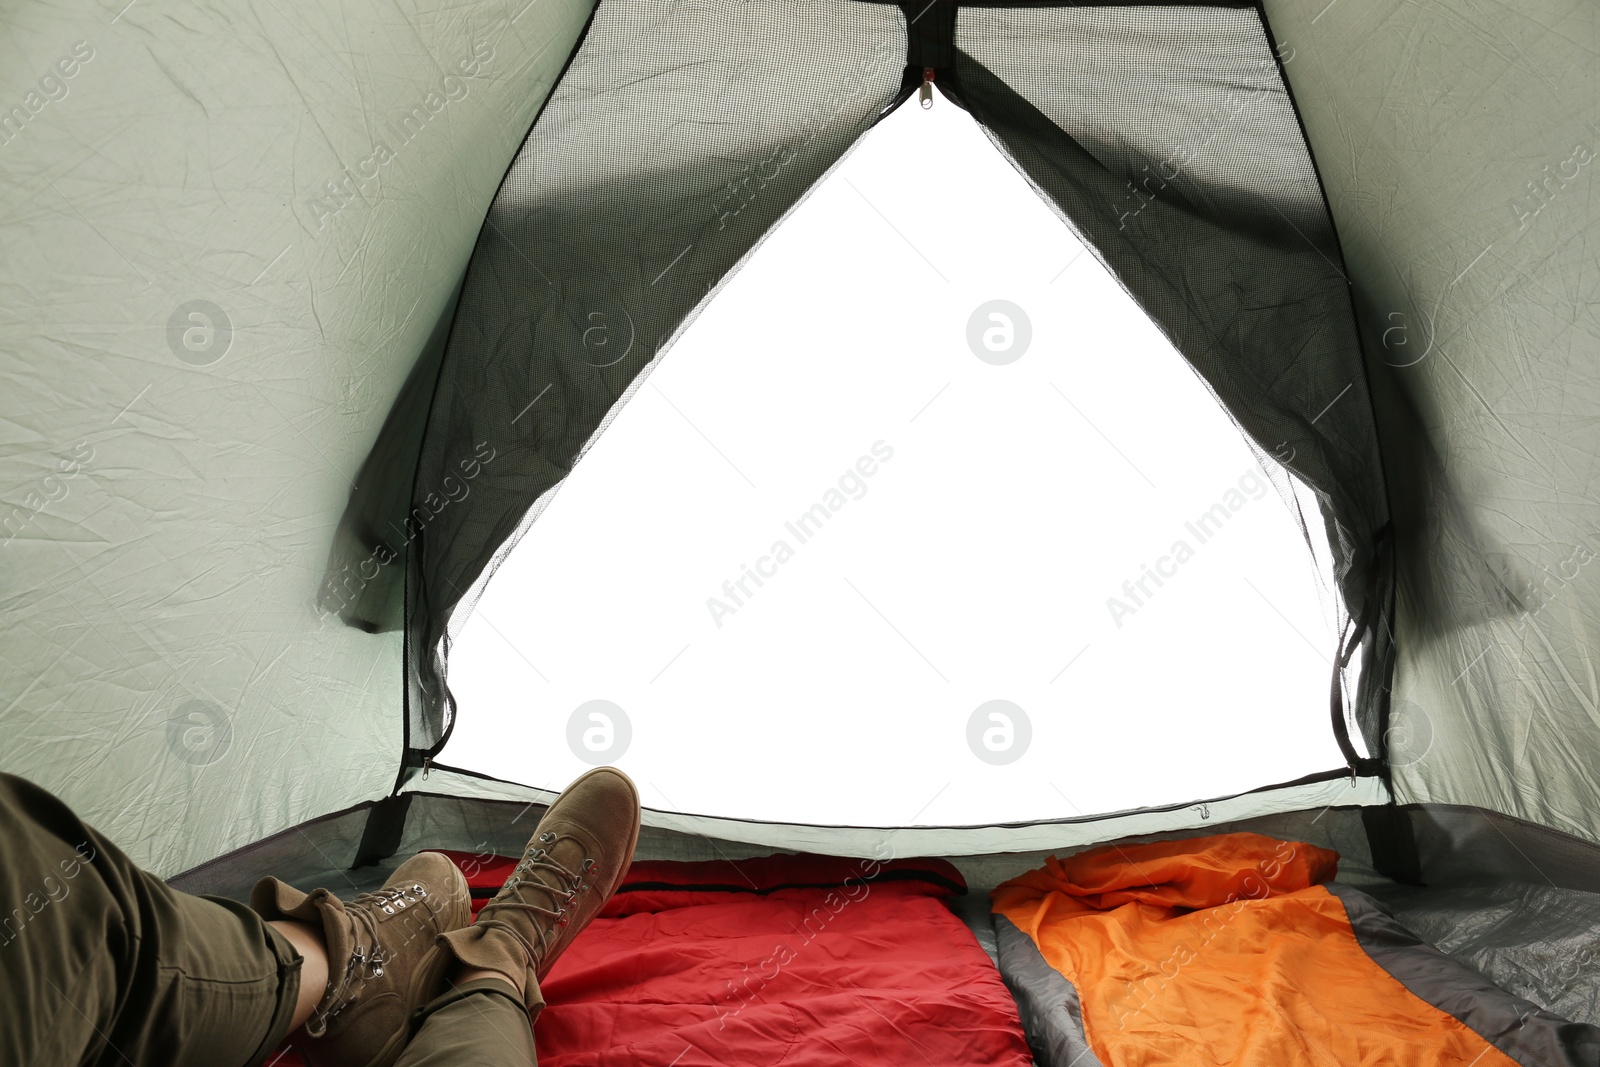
(1393, 843)
(386, 824)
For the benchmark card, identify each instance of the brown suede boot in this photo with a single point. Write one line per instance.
(375, 943)
(577, 857)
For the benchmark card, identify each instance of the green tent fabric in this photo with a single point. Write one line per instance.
(276, 280)
(1479, 313)
(228, 235)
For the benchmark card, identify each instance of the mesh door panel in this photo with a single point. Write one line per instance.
(1166, 137)
(680, 134)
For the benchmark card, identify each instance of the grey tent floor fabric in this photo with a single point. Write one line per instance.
(1540, 942)
(1520, 1028)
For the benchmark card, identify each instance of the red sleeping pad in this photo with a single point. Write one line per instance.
(801, 960)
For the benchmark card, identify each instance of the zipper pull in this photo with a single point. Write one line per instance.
(925, 94)
(427, 765)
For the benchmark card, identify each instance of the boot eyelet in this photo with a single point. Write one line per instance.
(420, 890)
(548, 836)
(387, 910)
(588, 865)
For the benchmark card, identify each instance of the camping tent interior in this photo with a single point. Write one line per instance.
(310, 311)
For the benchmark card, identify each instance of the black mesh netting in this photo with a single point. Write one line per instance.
(680, 134)
(683, 131)
(1167, 139)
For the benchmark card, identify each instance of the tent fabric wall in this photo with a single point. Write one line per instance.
(1457, 147)
(1321, 793)
(454, 811)
(227, 235)
(230, 233)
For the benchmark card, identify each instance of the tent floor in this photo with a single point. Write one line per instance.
(1533, 937)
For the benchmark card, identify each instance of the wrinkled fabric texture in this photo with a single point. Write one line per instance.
(482, 1023)
(103, 963)
(256, 218)
(1541, 942)
(1479, 306)
(805, 960)
(1230, 950)
(1519, 1028)
(170, 496)
(1052, 1013)
(478, 1023)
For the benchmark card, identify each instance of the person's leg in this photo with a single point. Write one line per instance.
(362, 957)
(101, 962)
(313, 952)
(479, 1021)
(490, 971)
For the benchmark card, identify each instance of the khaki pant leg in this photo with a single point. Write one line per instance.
(477, 1024)
(102, 963)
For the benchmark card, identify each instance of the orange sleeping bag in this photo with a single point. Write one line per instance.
(1232, 950)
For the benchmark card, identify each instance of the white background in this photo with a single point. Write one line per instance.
(976, 565)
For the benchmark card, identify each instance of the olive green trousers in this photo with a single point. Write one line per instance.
(102, 963)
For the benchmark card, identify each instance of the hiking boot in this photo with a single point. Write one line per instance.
(575, 860)
(374, 943)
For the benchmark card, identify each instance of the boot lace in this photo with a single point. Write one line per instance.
(368, 957)
(538, 859)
